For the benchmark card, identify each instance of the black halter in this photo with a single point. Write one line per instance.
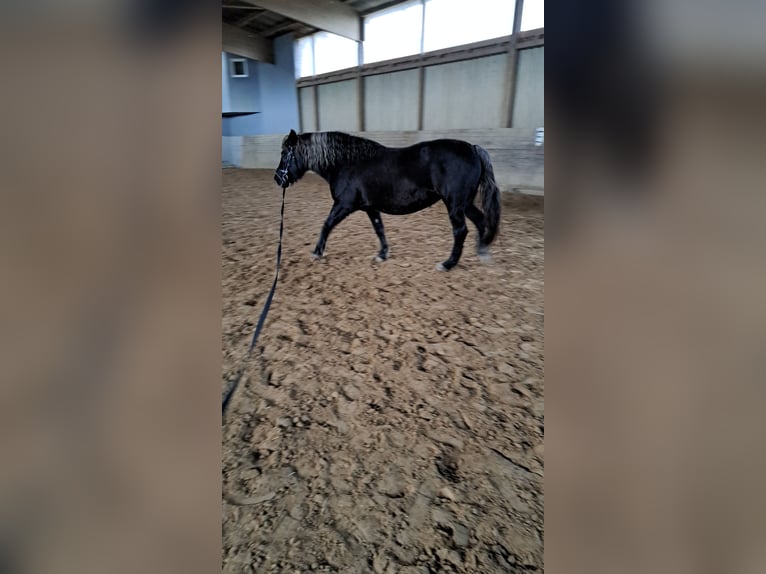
(282, 173)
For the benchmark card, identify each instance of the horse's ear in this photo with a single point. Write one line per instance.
(292, 138)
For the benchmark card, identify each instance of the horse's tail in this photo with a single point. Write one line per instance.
(490, 197)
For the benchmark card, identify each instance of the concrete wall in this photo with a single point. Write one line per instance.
(458, 95)
(391, 101)
(270, 91)
(339, 106)
(529, 106)
(308, 110)
(231, 151)
(466, 94)
(518, 163)
(260, 152)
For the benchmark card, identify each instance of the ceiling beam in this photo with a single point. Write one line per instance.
(281, 28)
(328, 15)
(381, 7)
(250, 17)
(242, 43)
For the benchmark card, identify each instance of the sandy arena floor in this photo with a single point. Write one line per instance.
(394, 421)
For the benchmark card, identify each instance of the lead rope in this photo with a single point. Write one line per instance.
(241, 370)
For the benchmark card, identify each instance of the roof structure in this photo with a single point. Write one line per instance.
(249, 26)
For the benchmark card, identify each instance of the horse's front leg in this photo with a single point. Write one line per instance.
(338, 213)
(459, 232)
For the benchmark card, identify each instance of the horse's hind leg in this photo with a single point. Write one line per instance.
(338, 213)
(459, 231)
(477, 217)
(377, 224)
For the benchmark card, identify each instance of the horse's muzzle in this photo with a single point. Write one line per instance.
(282, 178)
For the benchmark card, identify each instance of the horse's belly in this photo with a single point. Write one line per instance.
(404, 202)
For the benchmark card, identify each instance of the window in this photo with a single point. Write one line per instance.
(393, 33)
(333, 52)
(400, 31)
(533, 14)
(324, 52)
(238, 67)
(455, 22)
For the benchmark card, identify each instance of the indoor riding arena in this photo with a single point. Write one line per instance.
(391, 416)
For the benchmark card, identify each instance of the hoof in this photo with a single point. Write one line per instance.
(316, 257)
(485, 258)
(378, 259)
(441, 267)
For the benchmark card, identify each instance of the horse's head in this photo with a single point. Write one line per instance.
(290, 168)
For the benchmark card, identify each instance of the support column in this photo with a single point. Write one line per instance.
(513, 61)
(421, 68)
(360, 78)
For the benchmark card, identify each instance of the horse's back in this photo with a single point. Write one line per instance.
(446, 161)
(426, 164)
(439, 148)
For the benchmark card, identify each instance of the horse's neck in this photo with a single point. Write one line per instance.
(319, 167)
(321, 162)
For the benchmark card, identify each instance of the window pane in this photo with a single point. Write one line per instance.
(304, 57)
(333, 52)
(393, 33)
(533, 15)
(456, 22)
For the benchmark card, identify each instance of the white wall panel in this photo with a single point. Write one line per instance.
(529, 107)
(391, 101)
(467, 94)
(308, 110)
(339, 106)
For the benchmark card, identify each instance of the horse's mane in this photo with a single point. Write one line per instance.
(324, 150)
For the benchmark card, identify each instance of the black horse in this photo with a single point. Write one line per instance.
(365, 175)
